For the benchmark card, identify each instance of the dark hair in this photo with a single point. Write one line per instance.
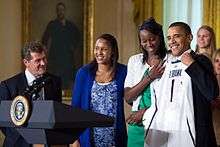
(112, 43)
(60, 4)
(155, 28)
(30, 47)
(183, 25)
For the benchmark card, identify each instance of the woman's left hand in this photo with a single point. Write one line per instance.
(136, 117)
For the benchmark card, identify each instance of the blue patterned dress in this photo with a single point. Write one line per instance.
(104, 101)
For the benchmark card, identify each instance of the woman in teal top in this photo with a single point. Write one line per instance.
(143, 68)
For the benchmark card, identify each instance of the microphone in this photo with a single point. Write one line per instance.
(33, 90)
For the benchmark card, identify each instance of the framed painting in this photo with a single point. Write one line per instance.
(66, 29)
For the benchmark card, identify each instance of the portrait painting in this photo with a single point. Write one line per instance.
(60, 26)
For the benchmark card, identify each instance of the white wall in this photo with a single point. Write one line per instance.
(116, 17)
(10, 37)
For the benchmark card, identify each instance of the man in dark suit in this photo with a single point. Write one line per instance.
(204, 83)
(183, 96)
(34, 59)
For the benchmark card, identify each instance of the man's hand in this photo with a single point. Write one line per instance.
(187, 59)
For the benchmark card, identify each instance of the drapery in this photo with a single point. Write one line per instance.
(144, 9)
(211, 17)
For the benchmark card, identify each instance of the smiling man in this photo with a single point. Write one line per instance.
(34, 58)
(180, 114)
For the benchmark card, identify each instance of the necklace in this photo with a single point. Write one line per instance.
(104, 76)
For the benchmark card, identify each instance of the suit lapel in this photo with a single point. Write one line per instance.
(46, 92)
(22, 83)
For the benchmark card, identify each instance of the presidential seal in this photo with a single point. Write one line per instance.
(20, 110)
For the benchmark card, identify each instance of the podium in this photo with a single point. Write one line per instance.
(54, 123)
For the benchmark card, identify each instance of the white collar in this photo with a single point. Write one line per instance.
(30, 77)
(173, 58)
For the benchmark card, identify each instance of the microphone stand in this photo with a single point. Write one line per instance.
(32, 91)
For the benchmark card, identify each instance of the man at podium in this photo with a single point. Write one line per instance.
(34, 58)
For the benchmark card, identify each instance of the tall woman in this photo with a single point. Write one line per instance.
(99, 87)
(143, 68)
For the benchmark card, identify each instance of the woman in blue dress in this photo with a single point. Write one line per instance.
(99, 87)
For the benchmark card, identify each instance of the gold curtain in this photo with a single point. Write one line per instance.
(211, 17)
(144, 9)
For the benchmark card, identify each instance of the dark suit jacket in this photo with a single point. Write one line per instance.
(205, 89)
(15, 86)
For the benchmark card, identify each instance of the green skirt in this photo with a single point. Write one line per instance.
(135, 135)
